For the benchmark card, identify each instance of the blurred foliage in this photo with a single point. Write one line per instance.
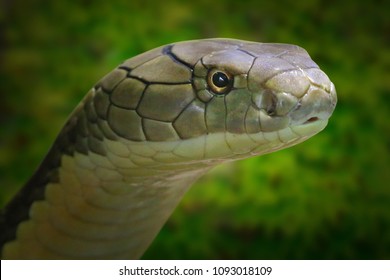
(326, 198)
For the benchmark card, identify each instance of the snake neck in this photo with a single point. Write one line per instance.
(94, 197)
(95, 211)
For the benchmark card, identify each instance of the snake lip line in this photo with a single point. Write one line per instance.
(312, 119)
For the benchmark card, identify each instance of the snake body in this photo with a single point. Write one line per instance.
(147, 130)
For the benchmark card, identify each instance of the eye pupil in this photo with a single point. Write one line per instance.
(220, 79)
(220, 82)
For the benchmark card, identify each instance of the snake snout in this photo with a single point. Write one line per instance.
(304, 96)
(318, 103)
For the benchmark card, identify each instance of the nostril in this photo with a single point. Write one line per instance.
(271, 111)
(312, 119)
(267, 102)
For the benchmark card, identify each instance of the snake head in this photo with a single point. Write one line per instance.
(216, 99)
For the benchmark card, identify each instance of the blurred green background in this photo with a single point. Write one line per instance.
(328, 198)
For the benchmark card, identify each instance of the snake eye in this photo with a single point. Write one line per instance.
(220, 82)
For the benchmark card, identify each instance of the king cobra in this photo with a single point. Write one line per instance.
(150, 128)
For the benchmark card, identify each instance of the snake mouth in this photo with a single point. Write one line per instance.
(309, 128)
(312, 119)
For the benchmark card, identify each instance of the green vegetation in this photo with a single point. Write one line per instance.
(326, 198)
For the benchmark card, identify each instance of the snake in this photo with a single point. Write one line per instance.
(148, 130)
